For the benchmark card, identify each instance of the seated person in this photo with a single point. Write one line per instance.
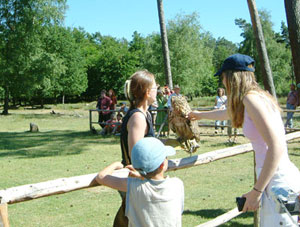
(109, 125)
(123, 109)
(117, 128)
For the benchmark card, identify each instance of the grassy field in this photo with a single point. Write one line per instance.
(64, 147)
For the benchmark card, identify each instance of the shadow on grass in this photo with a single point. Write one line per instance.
(213, 213)
(44, 144)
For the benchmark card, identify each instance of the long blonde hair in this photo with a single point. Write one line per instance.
(136, 87)
(238, 85)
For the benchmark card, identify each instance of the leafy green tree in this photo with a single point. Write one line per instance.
(114, 65)
(191, 54)
(72, 81)
(279, 54)
(22, 24)
(223, 49)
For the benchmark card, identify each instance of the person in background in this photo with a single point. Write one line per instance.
(176, 93)
(258, 113)
(103, 103)
(291, 104)
(151, 199)
(123, 109)
(113, 97)
(220, 104)
(109, 125)
(117, 129)
(140, 89)
(161, 113)
(167, 91)
(229, 132)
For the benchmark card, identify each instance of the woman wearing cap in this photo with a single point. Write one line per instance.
(258, 113)
(141, 92)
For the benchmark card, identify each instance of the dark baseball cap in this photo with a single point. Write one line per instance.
(239, 62)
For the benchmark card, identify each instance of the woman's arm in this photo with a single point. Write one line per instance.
(137, 128)
(260, 115)
(104, 177)
(212, 115)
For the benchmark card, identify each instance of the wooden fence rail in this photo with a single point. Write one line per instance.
(64, 185)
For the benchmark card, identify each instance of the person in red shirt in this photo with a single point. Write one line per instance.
(104, 103)
(291, 104)
(113, 97)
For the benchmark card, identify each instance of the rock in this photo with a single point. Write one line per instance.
(34, 127)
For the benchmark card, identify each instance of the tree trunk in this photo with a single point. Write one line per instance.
(63, 99)
(42, 103)
(6, 101)
(292, 9)
(164, 41)
(261, 48)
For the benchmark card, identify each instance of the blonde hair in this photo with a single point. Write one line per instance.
(238, 85)
(136, 87)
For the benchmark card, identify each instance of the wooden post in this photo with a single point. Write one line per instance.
(256, 213)
(4, 215)
(261, 48)
(165, 45)
(292, 9)
(91, 128)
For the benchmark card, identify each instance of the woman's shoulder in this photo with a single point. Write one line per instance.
(259, 100)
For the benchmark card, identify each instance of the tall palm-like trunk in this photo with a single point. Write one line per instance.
(292, 9)
(165, 45)
(261, 48)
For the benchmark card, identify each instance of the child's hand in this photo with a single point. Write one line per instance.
(134, 173)
(118, 165)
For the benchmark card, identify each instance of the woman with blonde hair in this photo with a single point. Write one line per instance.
(258, 113)
(140, 89)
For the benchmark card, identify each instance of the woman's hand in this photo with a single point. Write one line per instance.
(252, 200)
(194, 115)
(134, 173)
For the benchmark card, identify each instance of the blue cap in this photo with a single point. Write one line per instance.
(149, 153)
(237, 62)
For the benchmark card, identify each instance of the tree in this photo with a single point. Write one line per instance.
(164, 42)
(279, 54)
(261, 48)
(22, 24)
(113, 66)
(191, 55)
(292, 8)
(223, 49)
(72, 81)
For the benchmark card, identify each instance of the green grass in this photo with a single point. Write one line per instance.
(64, 147)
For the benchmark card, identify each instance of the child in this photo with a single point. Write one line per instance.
(151, 199)
(109, 125)
(117, 129)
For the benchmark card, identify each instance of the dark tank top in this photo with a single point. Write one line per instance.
(124, 134)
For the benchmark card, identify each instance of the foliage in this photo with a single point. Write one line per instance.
(278, 52)
(190, 54)
(113, 66)
(41, 59)
(22, 26)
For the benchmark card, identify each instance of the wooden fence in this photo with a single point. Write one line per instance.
(64, 185)
(91, 122)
